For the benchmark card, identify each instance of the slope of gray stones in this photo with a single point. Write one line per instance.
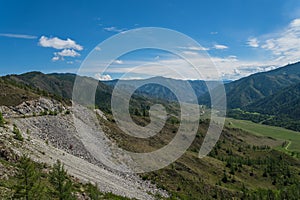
(52, 137)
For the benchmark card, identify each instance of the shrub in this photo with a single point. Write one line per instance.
(2, 122)
(18, 135)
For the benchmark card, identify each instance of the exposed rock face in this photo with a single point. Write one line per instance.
(52, 137)
(33, 108)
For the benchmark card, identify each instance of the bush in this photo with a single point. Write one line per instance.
(2, 122)
(18, 135)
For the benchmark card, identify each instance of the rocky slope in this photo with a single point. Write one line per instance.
(50, 134)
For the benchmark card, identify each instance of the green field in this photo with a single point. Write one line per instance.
(292, 137)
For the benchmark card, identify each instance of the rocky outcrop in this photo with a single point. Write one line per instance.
(41, 106)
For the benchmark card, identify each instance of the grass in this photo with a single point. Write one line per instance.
(13, 96)
(279, 133)
(192, 178)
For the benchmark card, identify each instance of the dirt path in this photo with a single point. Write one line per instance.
(287, 146)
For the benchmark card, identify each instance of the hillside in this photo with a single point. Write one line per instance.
(247, 90)
(61, 86)
(285, 102)
(241, 165)
(12, 95)
(45, 130)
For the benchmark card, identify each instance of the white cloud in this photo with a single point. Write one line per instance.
(97, 49)
(278, 49)
(214, 33)
(220, 46)
(103, 77)
(190, 53)
(68, 47)
(65, 53)
(284, 45)
(119, 62)
(230, 67)
(57, 43)
(22, 36)
(195, 48)
(253, 42)
(68, 53)
(114, 29)
(55, 58)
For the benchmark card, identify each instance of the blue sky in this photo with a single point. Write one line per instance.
(242, 37)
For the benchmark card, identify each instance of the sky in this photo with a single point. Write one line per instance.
(240, 37)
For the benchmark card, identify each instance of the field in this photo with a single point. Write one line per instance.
(292, 137)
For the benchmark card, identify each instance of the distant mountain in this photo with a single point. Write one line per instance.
(248, 90)
(61, 85)
(285, 102)
(159, 91)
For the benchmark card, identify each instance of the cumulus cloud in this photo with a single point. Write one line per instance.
(58, 43)
(253, 42)
(69, 47)
(220, 46)
(103, 77)
(65, 53)
(55, 58)
(22, 36)
(114, 29)
(68, 52)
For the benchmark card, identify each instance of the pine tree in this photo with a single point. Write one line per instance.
(93, 192)
(61, 183)
(29, 181)
(2, 122)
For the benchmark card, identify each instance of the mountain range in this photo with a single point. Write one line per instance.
(275, 92)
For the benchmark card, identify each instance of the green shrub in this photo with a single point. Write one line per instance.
(2, 122)
(18, 135)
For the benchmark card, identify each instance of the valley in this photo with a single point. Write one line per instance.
(250, 160)
(292, 138)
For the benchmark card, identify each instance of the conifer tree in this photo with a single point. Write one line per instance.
(2, 122)
(29, 181)
(93, 192)
(61, 183)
